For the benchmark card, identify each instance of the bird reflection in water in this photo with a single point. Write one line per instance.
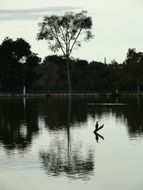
(97, 135)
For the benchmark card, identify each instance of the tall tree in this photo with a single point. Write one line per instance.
(65, 33)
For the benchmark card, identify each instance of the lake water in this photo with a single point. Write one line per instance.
(50, 144)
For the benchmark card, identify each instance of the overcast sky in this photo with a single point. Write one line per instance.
(117, 25)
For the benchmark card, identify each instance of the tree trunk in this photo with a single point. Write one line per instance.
(138, 90)
(116, 91)
(68, 74)
(24, 88)
(68, 127)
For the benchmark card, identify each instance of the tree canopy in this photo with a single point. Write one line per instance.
(11, 72)
(65, 32)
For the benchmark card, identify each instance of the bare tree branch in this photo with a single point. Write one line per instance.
(72, 46)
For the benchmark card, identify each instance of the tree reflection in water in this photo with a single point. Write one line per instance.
(64, 157)
(130, 113)
(57, 161)
(18, 123)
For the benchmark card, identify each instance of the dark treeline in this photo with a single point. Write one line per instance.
(13, 71)
(50, 75)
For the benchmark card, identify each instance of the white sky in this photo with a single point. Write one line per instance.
(117, 25)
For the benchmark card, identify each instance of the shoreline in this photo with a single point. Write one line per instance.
(78, 94)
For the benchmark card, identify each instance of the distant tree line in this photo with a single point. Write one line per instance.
(50, 75)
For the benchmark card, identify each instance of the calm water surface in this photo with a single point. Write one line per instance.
(50, 144)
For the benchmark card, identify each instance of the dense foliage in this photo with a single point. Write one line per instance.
(51, 74)
(92, 76)
(13, 71)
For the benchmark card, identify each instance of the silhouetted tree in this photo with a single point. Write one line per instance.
(134, 67)
(11, 72)
(52, 74)
(66, 32)
(31, 76)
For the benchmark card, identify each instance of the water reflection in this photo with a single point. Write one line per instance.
(64, 157)
(75, 165)
(58, 112)
(134, 118)
(66, 153)
(18, 123)
(19, 119)
(129, 110)
(98, 137)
